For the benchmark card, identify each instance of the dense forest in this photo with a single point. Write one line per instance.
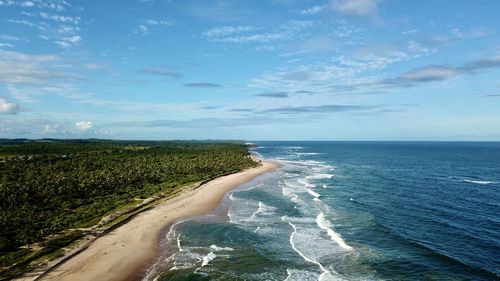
(49, 187)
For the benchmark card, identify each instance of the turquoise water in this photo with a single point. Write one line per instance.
(350, 211)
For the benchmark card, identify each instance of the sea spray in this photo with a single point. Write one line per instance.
(313, 193)
(324, 272)
(208, 258)
(172, 247)
(325, 225)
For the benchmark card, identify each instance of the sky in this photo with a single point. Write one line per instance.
(250, 70)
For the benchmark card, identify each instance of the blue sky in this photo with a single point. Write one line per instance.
(254, 70)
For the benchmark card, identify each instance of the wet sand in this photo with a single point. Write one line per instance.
(123, 251)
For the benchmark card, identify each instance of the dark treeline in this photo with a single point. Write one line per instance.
(51, 186)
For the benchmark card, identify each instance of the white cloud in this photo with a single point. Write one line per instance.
(418, 47)
(45, 127)
(94, 66)
(58, 5)
(149, 23)
(434, 73)
(24, 94)
(297, 76)
(313, 10)
(355, 66)
(227, 30)
(7, 37)
(50, 129)
(362, 8)
(67, 42)
(67, 29)
(243, 34)
(315, 45)
(75, 39)
(468, 34)
(83, 125)
(24, 22)
(141, 29)
(411, 31)
(63, 44)
(20, 68)
(7, 107)
(60, 18)
(27, 4)
(158, 22)
(261, 37)
(52, 25)
(297, 25)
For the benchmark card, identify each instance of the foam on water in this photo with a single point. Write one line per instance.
(305, 183)
(298, 181)
(288, 191)
(307, 239)
(478, 182)
(216, 248)
(247, 188)
(320, 176)
(308, 153)
(241, 211)
(289, 183)
(301, 239)
(258, 154)
(305, 163)
(179, 242)
(292, 147)
(298, 220)
(186, 259)
(314, 164)
(325, 273)
(263, 209)
(313, 193)
(208, 258)
(251, 212)
(230, 211)
(325, 225)
(191, 256)
(173, 238)
(300, 275)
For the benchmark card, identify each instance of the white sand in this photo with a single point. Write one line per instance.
(123, 251)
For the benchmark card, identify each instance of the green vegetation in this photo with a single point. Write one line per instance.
(52, 191)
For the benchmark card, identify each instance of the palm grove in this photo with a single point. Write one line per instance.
(48, 188)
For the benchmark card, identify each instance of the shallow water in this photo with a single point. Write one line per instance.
(350, 211)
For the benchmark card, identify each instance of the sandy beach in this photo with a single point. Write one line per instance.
(123, 251)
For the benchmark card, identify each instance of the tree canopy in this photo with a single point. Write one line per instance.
(49, 186)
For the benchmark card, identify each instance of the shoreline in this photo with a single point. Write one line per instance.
(124, 252)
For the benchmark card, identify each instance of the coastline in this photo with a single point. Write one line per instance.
(125, 250)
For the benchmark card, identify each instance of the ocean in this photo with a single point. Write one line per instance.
(350, 211)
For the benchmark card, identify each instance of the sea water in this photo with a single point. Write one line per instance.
(350, 211)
